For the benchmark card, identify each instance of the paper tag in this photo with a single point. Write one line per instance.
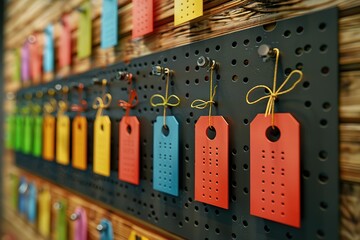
(32, 203)
(14, 190)
(84, 37)
(17, 65)
(79, 142)
(102, 138)
(134, 236)
(108, 233)
(38, 135)
(64, 51)
(44, 213)
(25, 63)
(49, 138)
(49, 49)
(10, 132)
(212, 161)
(63, 140)
(166, 155)
(109, 23)
(129, 149)
(186, 10)
(142, 18)
(61, 221)
(19, 131)
(35, 58)
(80, 228)
(28, 134)
(22, 190)
(275, 169)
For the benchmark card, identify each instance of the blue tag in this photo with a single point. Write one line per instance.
(109, 23)
(23, 187)
(107, 233)
(166, 155)
(49, 49)
(32, 203)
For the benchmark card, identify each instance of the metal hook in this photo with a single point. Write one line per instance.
(101, 227)
(206, 62)
(266, 52)
(158, 71)
(124, 76)
(74, 216)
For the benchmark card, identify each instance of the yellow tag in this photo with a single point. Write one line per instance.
(186, 10)
(102, 136)
(63, 140)
(44, 213)
(132, 235)
(49, 138)
(79, 143)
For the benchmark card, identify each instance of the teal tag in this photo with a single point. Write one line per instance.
(38, 136)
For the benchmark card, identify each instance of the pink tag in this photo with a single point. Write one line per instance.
(36, 58)
(80, 230)
(142, 17)
(25, 62)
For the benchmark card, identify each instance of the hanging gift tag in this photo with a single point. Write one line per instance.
(275, 169)
(61, 220)
(166, 155)
(49, 138)
(186, 10)
(142, 18)
(102, 136)
(44, 220)
(19, 131)
(109, 23)
(80, 224)
(107, 231)
(32, 203)
(38, 135)
(25, 63)
(35, 61)
(22, 190)
(17, 66)
(212, 161)
(10, 132)
(64, 51)
(28, 134)
(84, 30)
(79, 142)
(14, 190)
(63, 140)
(129, 145)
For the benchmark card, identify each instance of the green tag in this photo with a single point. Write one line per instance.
(38, 136)
(10, 132)
(19, 131)
(17, 65)
(28, 134)
(61, 222)
(14, 190)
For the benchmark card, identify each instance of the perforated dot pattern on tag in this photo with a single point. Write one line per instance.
(79, 142)
(212, 161)
(129, 145)
(166, 155)
(102, 138)
(49, 138)
(275, 169)
(186, 10)
(142, 18)
(63, 140)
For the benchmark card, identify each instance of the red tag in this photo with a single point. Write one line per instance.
(64, 50)
(212, 161)
(275, 169)
(142, 18)
(36, 58)
(129, 145)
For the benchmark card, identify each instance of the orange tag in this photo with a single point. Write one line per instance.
(212, 161)
(275, 169)
(64, 51)
(63, 140)
(79, 142)
(129, 145)
(49, 138)
(142, 18)
(102, 136)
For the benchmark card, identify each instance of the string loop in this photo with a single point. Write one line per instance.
(101, 103)
(132, 102)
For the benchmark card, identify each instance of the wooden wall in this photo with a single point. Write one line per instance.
(23, 17)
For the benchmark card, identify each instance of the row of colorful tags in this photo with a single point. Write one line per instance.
(274, 144)
(51, 217)
(38, 51)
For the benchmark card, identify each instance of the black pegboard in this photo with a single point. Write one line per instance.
(308, 43)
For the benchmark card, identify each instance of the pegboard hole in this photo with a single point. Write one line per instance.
(323, 178)
(322, 26)
(217, 48)
(245, 190)
(323, 48)
(174, 58)
(235, 78)
(196, 52)
(269, 27)
(320, 234)
(306, 84)
(299, 51)
(287, 33)
(273, 133)
(323, 122)
(207, 50)
(299, 66)
(323, 155)
(187, 68)
(197, 81)
(258, 39)
(267, 228)
(180, 224)
(246, 42)
(217, 231)
(245, 167)
(300, 29)
(245, 80)
(234, 218)
(206, 226)
(234, 44)
(196, 223)
(246, 121)
(307, 48)
(211, 132)
(246, 148)
(306, 174)
(246, 62)
(233, 62)
(187, 55)
(326, 106)
(245, 223)
(233, 235)
(325, 70)
(289, 235)
(307, 104)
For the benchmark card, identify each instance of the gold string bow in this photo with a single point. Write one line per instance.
(165, 100)
(274, 93)
(130, 104)
(62, 107)
(202, 104)
(102, 102)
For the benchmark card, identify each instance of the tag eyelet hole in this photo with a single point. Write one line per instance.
(211, 132)
(273, 134)
(165, 130)
(128, 129)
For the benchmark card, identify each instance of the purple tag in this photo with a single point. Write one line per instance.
(25, 68)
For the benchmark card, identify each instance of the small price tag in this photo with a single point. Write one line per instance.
(79, 142)
(44, 219)
(35, 56)
(32, 203)
(63, 140)
(61, 221)
(25, 63)
(108, 233)
(22, 190)
(38, 135)
(102, 145)
(14, 190)
(49, 138)
(212, 161)
(142, 18)
(186, 10)
(166, 155)
(84, 43)
(17, 66)
(275, 168)
(19, 131)
(28, 134)
(109, 23)
(64, 51)
(10, 131)
(80, 224)
(129, 145)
